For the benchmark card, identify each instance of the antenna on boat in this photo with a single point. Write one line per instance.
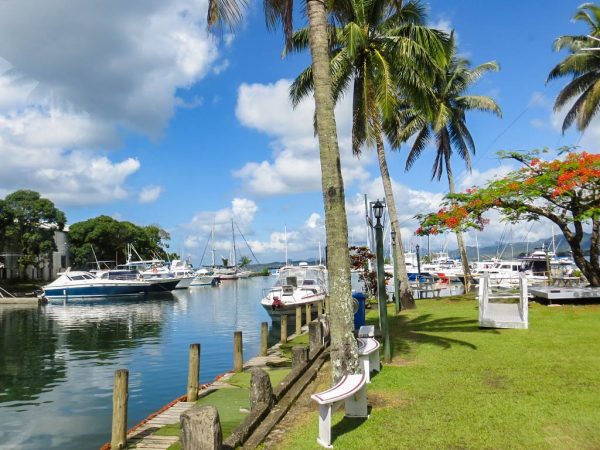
(94, 253)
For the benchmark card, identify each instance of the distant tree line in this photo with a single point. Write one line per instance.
(28, 223)
(107, 238)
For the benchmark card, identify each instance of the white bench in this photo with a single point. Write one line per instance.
(366, 331)
(351, 389)
(368, 356)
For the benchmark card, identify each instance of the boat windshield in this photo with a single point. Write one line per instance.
(300, 276)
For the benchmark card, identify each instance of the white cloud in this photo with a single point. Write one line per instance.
(538, 123)
(221, 67)
(479, 178)
(150, 194)
(295, 164)
(107, 66)
(539, 99)
(242, 211)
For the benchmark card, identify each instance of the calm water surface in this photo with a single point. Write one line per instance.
(57, 362)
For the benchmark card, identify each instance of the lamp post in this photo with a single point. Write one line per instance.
(381, 293)
(396, 281)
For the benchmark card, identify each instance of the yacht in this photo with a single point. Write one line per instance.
(295, 286)
(182, 270)
(79, 284)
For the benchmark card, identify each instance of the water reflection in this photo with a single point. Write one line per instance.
(57, 362)
(28, 354)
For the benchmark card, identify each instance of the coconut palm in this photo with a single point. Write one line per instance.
(583, 66)
(380, 47)
(444, 121)
(344, 352)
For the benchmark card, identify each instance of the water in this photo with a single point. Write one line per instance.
(57, 362)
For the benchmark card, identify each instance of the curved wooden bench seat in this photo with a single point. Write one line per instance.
(351, 389)
(368, 356)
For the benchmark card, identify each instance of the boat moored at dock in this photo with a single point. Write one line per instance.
(295, 286)
(79, 284)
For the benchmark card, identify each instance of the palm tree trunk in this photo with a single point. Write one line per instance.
(344, 352)
(406, 298)
(459, 237)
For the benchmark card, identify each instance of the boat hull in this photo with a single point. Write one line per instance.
(289, 307)
(92, 291)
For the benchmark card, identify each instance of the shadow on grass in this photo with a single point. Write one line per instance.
(405, 330)
(346, 425)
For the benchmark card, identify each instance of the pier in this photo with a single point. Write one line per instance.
(289, 374)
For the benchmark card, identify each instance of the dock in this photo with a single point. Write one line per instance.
(29, 301)
(571, 294)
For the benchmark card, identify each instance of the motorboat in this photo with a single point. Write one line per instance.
(156, 284)
(182, 270)
(204, 277)
(79, 284)
(295, 286)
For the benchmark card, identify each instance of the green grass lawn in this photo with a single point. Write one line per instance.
(232, 403)
(452, 385)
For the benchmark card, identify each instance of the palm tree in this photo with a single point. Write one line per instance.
(380, 47)
(583, 65)
(445, 122)
(344, 351)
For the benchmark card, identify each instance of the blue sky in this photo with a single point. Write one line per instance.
(137, 113)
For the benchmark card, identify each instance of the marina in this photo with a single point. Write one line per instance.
(58, 360)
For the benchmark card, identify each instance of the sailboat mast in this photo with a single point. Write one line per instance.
(233, 243)
(320, 259)
(285, 238)
(212, 241)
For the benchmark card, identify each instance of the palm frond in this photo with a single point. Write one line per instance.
(302, 86)
(224, 13)
(421, 140)
(590, 106)
(479, 103)
(574, 88)
(359, 117)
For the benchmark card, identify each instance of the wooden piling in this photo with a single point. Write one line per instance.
(298, 320)
(264, 331)
(283, 328)
(119, 416)
(238, 353)
(193, 373)
(308, 313)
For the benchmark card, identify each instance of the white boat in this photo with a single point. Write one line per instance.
(182, 270)
(295, 286)
(79, 284)
(204, 277)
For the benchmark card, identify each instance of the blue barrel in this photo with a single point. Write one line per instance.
(359, 312)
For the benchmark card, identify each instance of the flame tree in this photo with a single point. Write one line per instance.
(565, 191)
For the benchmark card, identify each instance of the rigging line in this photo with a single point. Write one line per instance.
(204, 252)
(464, 174)
(247, 245)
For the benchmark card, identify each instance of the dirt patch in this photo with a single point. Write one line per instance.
(303, 411)
(494, 381)
(382, 400)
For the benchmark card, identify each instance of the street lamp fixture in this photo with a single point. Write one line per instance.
(377, 208)
(378, 211)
